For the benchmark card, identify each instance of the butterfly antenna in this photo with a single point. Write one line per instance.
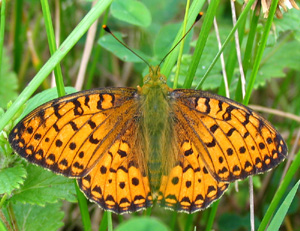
(196, 20)
(106, 28)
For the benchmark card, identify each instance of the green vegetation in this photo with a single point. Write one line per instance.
(32, 198)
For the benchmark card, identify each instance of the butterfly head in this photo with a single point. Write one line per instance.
(155, 78)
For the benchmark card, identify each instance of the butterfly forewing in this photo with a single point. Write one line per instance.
(69, 135)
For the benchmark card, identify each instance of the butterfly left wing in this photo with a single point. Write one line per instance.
(233, 141)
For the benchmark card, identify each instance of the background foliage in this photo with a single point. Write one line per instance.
(35, 199)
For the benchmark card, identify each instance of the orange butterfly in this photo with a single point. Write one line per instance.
(127, 147)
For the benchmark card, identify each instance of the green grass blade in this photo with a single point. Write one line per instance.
(282, 211)
(18, 45)
(280, 192)
(189, 222)
(103, 223)
(229, 37)
(2, 31)
(248, 53)
(171, 59)
(109, 221)
(52, 47)
(262, 45)
(206, 27)
(175, 83)
(70, 41)
(85, 216)
(212, 215)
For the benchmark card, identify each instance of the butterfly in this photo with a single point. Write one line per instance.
(128, 147)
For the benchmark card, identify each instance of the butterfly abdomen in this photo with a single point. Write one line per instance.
(155, 127)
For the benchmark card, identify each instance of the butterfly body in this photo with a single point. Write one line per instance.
(128, 146)
(156, 125)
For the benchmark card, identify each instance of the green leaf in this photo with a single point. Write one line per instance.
(36, 218)
(165, 37)
(109, 43)
(11, 178)
(290, 22)
(283, 209)
(142, 224)
(163, 11)
(9, 82)
(132, 12)
(43, 187)
(43, 97)
(275, 60)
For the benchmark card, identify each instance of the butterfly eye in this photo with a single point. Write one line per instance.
(146, 79)
(162, 79)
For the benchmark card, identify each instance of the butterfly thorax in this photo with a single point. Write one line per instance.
(156, 124)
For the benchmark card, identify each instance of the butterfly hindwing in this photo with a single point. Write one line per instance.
(119, 182)
(189, 187)
(232, 140)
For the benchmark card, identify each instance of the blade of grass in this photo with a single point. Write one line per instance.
(232, 60)
(206, 26)
(212, 215)
(52, 47)
(189, 221)
(283, 209)
(171, 59)
(2, 31)
(261, 48)
(18, 45)
(181, 45)
(229, 37)
(103, 223)
(85, 216)
(70, 41)
(280, 192)
(248, 52)
(109, 222)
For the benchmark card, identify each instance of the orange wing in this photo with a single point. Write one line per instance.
(233, 141)
(189, 187)
(90, 135)
(69, 134)
(119, 181)
(219, 141)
